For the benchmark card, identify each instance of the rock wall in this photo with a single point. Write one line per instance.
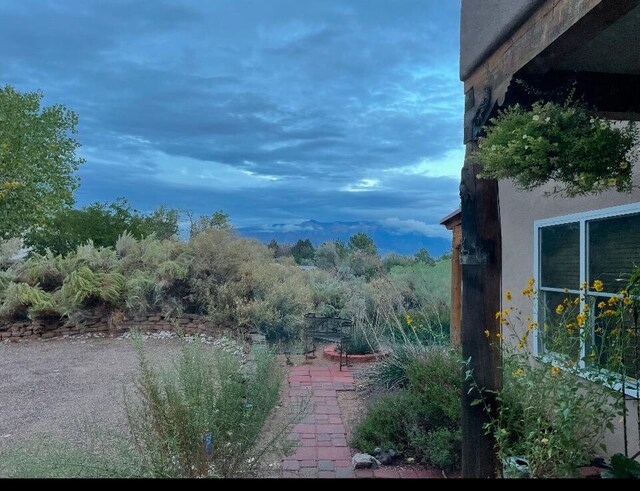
(14, 330)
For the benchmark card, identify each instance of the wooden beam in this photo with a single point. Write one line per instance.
(480, 255)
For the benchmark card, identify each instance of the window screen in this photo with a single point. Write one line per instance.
(614, 250)
(560, 256)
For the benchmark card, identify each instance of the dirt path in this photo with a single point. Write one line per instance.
(57, 386)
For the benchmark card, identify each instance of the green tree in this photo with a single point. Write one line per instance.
(303, 252)
(362, 242)
(423, 256)
(102, 223)
(162, 222)
(37, 161)
(217, 220)
(274, 247)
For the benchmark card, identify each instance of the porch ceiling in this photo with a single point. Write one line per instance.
(615, 50)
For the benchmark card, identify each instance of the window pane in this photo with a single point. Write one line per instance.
(560, 256)
(558, 328)
(614, 250)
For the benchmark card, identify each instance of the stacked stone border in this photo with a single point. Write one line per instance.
(109, 324)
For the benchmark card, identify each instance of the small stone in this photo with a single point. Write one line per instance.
(364, 461)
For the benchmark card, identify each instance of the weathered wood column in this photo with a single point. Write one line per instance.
(480, 256)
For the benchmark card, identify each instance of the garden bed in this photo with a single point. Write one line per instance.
(332, 352)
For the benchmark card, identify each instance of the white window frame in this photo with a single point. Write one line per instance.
(582, 219)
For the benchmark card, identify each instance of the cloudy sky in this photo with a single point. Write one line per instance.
(276, 111)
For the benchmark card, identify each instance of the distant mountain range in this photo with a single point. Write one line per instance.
(387, 238)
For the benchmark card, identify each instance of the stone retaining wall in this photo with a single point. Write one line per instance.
(14, 330)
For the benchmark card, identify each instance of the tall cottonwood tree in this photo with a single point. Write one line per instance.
(38, 160)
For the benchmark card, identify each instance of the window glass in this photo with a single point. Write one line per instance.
(560, 256)
(614, 250)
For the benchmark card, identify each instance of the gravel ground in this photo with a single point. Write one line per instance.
(59, 386)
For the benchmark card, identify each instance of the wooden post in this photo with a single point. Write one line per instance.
(453, 223)
(480, 256)
(456, 289)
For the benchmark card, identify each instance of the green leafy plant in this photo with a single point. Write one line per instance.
(623, 468)
(565, 143)
(554, 410)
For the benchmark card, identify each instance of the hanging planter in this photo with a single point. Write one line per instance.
(565, 143)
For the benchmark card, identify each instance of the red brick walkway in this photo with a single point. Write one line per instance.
(323, 450)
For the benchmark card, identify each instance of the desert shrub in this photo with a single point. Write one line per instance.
(204, 417)
(328, 294)
(364, 265)
(423, 418)
(218, 264)
(391, 260)
(388, 422)
(329, 256)
(21, 300)
(441, 447)
(279, 297)
(360, 344)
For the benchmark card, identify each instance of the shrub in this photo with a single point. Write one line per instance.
(278, 297)
(441, 447)
(388, 422)
(21, 300)
(9, 250)
(204, 417)
(391, 260)
(360, 344)
(437, 375)
(328, 294)
(393, 371)
(423, 418)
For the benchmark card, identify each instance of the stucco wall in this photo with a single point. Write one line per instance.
(485, 24)
(518, 211)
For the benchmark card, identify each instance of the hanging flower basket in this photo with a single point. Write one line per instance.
(565, 143)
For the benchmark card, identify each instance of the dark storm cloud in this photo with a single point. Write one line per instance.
(273, 110)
